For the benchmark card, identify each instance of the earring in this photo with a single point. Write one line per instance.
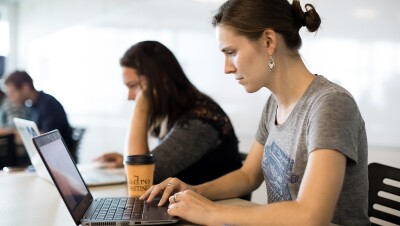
(271, 63)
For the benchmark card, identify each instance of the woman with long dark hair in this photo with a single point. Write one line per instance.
(197, 140)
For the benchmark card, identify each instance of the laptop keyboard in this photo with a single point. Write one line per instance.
(118, 209)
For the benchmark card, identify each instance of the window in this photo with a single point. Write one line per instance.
(4, 38)
(4, 32)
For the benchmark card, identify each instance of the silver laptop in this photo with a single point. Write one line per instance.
(92, 175)
(27, 130)
(84, 209)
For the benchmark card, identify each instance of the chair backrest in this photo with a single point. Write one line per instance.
(384, 194)
(8, 155)
(243, 156)
(77, 135)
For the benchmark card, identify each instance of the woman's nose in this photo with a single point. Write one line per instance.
(132, 94)
(229, 67)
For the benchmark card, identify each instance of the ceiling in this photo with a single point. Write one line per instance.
(366, 19)
(359, 18)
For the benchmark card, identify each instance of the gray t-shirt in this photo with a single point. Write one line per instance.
(326, 117)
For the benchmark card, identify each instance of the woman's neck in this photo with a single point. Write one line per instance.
(291, 80)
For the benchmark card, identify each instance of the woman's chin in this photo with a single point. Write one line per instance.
(251, 89)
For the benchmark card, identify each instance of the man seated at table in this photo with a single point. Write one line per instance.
(44, 109)
(8, 111)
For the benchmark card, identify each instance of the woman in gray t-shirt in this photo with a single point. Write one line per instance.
(311, 145)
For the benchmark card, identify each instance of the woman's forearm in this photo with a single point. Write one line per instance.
(138, 130)
(283, 213)
(239, 182)
(234, 184)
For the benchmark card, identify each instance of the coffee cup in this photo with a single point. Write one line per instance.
(139, 173)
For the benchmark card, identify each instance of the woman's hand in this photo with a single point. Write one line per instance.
(142, 102)
(193, 207)
(111, 160)
(166, 188)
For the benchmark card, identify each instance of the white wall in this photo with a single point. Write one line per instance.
(80, 52)
(72, 48)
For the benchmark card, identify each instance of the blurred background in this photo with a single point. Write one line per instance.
(72, 50)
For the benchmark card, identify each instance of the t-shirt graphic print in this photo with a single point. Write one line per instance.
(277, 168)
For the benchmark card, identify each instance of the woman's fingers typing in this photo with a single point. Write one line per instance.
(169, 190)
(147, 193)
(165, 189)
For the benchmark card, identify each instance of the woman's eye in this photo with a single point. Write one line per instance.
(135, 86)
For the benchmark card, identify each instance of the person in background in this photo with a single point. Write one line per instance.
(8, 111)
(44, 109)
(311, 144)
(197, 139)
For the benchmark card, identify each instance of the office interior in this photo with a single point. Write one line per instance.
(72, 51)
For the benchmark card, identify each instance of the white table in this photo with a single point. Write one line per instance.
(26, 199)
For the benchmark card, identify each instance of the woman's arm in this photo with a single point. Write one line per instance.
(315, 204)
(110, 160)
(239, 182)
(137, 135)
(138, 129)
(183, 146)
(234, 184)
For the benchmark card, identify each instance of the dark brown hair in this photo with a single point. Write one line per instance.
(251, 17)
(19, 78)
(169, 90)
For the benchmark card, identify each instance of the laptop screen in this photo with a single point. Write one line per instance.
(64, 172)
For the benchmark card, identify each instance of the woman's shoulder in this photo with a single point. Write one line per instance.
(206, 107)
(206, 110)
(322, 87)
(329, 96)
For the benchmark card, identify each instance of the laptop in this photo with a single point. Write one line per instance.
(27, 130)
(84, 209)
(93, 175)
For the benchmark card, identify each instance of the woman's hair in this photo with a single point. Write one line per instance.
(250, 18)
(169, 90)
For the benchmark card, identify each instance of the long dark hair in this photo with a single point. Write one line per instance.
(250, 18)
(169, 90)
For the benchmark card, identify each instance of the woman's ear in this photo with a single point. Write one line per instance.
(143, 82)
(269, 39)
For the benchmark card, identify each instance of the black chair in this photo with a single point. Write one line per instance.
(377, 173)
(77, 135)
(8, 156)
(243, 156)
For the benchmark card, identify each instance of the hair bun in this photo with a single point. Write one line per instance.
(311, 18)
